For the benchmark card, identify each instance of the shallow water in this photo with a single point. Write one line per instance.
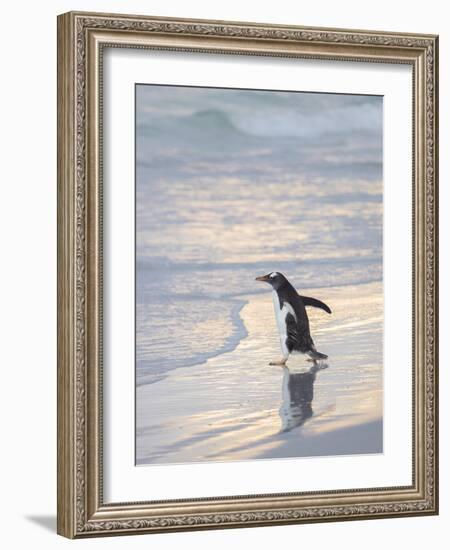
(234, 184)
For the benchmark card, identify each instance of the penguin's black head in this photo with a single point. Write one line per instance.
(275, 279)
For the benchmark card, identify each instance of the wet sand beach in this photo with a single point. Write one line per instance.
(235, 406)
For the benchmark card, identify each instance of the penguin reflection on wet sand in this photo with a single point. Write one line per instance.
(292, 319)
(297, 395)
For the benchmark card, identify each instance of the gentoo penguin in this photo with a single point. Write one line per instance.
(292, 320)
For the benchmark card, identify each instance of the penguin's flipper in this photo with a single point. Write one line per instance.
(313, 302)
(292, 336)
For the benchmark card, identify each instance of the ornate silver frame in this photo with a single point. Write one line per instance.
(81, 39)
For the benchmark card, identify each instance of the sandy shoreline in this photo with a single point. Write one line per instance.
(236, 407)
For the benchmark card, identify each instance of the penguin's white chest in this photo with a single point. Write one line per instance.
(280, 316)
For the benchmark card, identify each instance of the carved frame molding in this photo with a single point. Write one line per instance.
(81, 39)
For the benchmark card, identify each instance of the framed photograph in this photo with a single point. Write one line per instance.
(247, 276)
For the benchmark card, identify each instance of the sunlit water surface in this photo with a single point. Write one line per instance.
(231, 185)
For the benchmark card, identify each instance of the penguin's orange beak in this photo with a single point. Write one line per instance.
(263, 278)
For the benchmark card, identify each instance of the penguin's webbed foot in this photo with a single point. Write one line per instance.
(279, 362)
